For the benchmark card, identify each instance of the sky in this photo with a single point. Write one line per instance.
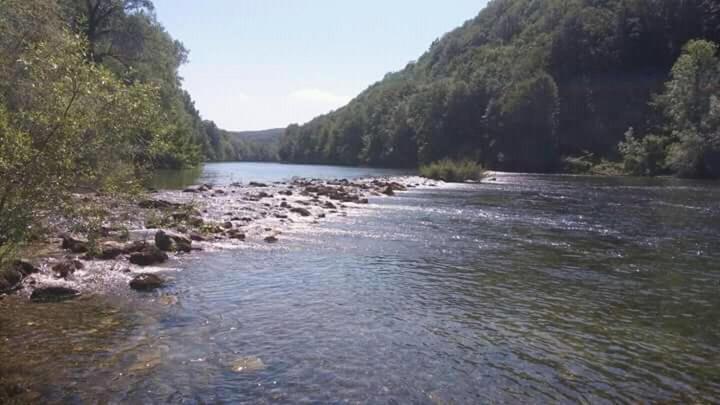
(259, 64)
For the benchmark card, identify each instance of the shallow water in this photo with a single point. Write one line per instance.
(531, 288)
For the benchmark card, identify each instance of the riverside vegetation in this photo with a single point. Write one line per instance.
(90, 101)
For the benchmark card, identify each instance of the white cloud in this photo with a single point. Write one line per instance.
(319, 96)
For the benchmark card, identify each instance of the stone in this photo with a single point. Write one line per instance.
(236, 234)
(53, 294)
(301, 211)
(74, 245)
(388, 191)
(168, 241)
(148, 256)
(147, 282)
(111, 250)
(228, 225)
(66, 268)
(271, 239)
(158, 204)
(197, 237)
(257, 184)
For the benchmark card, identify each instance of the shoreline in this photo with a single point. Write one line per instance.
(141, 237)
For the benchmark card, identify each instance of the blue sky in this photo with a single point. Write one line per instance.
(257, 64)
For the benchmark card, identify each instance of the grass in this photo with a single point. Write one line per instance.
(452, 171)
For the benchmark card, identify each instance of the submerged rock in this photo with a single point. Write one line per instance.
(52, 294)
(66, 268)
(148, 256)
(248, 365)
(147, 282)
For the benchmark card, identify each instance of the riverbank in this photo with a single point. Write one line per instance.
(139, 238)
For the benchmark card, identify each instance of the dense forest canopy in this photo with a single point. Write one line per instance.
(519, 87)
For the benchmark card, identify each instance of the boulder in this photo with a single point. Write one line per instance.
(236, 234)
(329, 205)
(66, 268)
(148, 256)
(197, 237)
(388, 191)
(271, 239)
(74, 245)
(53, 294)
(301, 211)
(257, 184)
(172, 242)
(146, 282)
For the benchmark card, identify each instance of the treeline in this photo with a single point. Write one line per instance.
(521, 86)
(256, 146)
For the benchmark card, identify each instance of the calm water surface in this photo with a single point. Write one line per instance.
(533, 288)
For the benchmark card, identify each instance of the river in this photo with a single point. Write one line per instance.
(528, 288)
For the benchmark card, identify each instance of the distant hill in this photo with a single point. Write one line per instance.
(255, 146)
(265, 136)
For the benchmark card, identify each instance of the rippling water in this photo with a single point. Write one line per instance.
(527, 289)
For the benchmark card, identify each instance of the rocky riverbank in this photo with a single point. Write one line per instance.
(140, 237)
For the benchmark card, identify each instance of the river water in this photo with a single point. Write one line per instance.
(528, 288)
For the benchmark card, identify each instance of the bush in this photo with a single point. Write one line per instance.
(452, 170)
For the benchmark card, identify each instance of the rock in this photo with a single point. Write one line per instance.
(363, 201)
(24, 268)
(194, 236)
(66, 268)
(158, 204)
(195, 221)
(228, 225)
(236, 234)
(111, 250)
(286, 192)
(284, 204)
(51, 294)
(172, 242)
(147, 282)
(271, 239)
(191, 190)
(281, 216)
(74, 245)
(256, 184)
(148, 256)
(329, 205)
(302, 211)
(388, 191)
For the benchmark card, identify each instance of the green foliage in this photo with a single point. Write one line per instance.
(516, 88)
(452, 170)
(90, 100)
(643, 157)
(689, 140)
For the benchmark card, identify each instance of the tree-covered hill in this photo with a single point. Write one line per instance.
(518, 87)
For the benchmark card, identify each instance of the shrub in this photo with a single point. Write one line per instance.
(452, 170)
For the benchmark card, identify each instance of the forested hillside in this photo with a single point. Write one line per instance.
(519, 87)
